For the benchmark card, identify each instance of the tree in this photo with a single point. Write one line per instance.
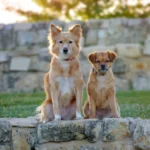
(85, 9)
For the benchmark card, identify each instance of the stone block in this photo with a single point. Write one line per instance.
(91, 37)
(23, 138)
(141, 83)
(122, 84)
(26, 38)
(7, 40)
(41, 36)
(22, 26)
(20, 64)
(24, 122)
(118, 145)
(87, 50)
(120, 66)
(5, 147)
(29, 83)
(73, 22)
(61, 131)
(89, 147)
(141, 135)
(115, 129)
(37, 65)
(147, 46)
(5, 131)
(3, 57)
(4, 67)
(94, 23)
(93, 130)
(71, 145)
(129, 50)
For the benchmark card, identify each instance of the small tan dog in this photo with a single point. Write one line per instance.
(101, 92)
(63, 83)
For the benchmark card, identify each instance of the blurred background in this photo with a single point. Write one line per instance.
(122, 26)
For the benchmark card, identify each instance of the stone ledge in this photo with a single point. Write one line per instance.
(91, 134)
(5, 131)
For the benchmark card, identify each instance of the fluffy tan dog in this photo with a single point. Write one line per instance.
(63, 83)
(101, 92)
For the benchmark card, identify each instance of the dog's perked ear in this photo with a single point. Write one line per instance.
(76, 30)
(112, 56)
(54, 30)
(91, 57)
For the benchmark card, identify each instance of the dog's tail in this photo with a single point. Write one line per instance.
(38, 113)
(38, 109)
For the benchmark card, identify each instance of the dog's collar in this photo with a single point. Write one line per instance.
(98, 73)
(68, 59)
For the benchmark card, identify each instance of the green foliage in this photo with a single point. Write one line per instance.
(132, 104)
(85, 9)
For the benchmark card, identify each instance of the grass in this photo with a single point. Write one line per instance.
(132, 103)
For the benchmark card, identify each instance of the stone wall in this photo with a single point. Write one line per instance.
(24, 56)
(92, 134)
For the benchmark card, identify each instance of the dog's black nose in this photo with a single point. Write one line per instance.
(103, 67)
(65, 50)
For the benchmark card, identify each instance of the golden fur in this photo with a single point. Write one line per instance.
(63, 83)
(101, 92)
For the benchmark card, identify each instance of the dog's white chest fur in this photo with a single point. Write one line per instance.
(65, 84)
(101, 82)
(66, 89)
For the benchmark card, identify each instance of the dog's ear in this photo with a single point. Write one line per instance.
(112, 56)
(91, 57)
(76, 30)
(54, 30)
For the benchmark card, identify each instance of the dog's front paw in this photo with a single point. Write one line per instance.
(78, 115)
(115, 116)
(57, 117)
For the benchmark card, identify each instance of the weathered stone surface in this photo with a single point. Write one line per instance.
(118, 145)
(141, 135)
(141, 83)
(129, 50)
(26, 38)
(41, 36)
(93, 130)
(94, 23)
(30, 82)
(7, 40)
(22, 26)
(73, 22)
(4, 67)
(62, 131)
(24, 122)
(23, 138)
(19, 64)
(120, 66)
(87, 50)
(3, 57)
(71, 145)
(147, 46)
(34, 64)
(37, 65)
(89, 147)
(122, 84)
(92, 37)
(5, 147)
(115, 129)
(5, 131)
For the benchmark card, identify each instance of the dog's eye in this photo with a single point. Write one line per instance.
(97, 61)
(70, 42)
(60, 42)
(107, 60)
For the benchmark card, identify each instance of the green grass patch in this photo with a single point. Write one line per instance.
(132, 103)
